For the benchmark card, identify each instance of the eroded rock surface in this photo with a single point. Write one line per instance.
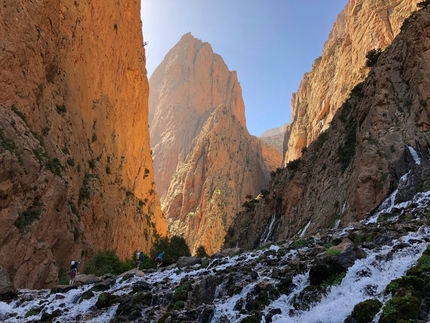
(75, 165)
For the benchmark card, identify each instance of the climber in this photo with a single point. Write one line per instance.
(159, 259)
(140, 258)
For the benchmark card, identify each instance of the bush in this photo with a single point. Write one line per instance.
(201, 252)
(423, 4)
(372, 57)
(7, 143)
(293, 165)
(107, 262)
(365, 311)
(332, 252)
(173, 248)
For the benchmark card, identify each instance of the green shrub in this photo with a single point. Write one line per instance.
(398, 308)
(107, 262)
(181, 293)
(424, 262)
(423, 4)
(357, 91)
(293, 165)
(201, 252)
(372, 57)
(297, 244)
(92, 163)
(61, 108)
(365, 311)
(54, 165)
(332, 252)
(141, 298)
(7, 143)
(205, 263)
(106, 300)
(173, 248)
(334, 280)
(33, 311)
(29, 216)
(84, 194)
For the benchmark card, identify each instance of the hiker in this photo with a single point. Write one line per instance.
(159, 259)
(75, 265)
(140, 258)
(72, 271)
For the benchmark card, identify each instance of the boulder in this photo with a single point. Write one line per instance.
(349, 253)
(7, 289)
(188, 261)
(230, 252)
(62, 288)
(86, 279)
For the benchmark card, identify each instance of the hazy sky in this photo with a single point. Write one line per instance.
(270, 43)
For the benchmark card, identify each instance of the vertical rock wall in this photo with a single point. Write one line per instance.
(74, 101)
(362, 26)
(205, 160)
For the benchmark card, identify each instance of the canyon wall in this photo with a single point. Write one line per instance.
(75, 165)
(378, 137)
(205, 161)
(362, 26)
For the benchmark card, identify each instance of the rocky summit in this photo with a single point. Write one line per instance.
(75, 165)
(205, 161)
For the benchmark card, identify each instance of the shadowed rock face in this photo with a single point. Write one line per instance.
(75, 166)
(362, 26)
(205, 161)
(380, 134)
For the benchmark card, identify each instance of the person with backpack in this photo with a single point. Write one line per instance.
(159, 259)
(74, 267)
(140, 259)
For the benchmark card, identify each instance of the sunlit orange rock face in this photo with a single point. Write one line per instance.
(362, 26)
(385, 119)
(205, 161)
(75, 165)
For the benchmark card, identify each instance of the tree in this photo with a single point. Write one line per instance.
(423, 4)
(173, 248)
(107, 262)
(372, 57)
(201, 252)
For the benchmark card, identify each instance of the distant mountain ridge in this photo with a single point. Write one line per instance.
(275, 137)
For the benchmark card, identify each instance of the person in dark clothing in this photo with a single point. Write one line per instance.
(74, 267)
(159, 259)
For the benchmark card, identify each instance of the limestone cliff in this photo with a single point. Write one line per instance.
(75, 165)
(205, 161)
(378, 137)
(362, 26)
